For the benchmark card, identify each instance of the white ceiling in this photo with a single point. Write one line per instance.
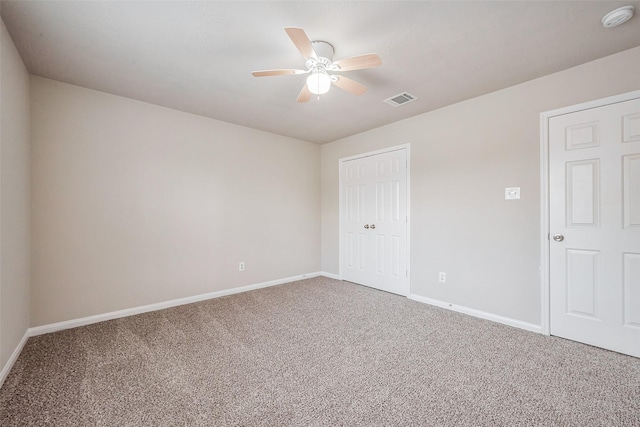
(198, 56)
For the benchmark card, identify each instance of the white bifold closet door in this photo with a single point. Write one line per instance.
(373, 221)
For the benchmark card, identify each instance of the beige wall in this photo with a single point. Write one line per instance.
(462, 158)
(136, 204)
(14, 198)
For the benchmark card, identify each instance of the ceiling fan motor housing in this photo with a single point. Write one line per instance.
(324, 51)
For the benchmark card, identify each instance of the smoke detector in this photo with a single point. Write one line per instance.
(618, 16)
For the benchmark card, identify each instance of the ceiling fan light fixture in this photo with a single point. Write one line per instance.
(318, 55)
(319, 81)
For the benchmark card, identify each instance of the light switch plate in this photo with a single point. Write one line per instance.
(512, 193)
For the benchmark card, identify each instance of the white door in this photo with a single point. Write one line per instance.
(373, 221)
(594, 219)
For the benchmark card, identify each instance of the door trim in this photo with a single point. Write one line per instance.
(545, 282)
(407, 148)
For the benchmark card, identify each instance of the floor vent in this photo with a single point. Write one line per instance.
(400, 99)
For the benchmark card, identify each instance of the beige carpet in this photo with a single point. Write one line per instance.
(318, 352)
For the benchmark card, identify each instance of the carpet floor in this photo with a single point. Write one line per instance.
(317, 352)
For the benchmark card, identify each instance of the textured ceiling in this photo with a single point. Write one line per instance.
(198, 56)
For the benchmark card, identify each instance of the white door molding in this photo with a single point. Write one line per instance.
(545, 322)
(407, 149)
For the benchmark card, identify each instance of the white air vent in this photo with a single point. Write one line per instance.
(400, 99)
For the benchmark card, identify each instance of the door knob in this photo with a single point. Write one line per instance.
(373, 226)
(366, 226)
(558, 237)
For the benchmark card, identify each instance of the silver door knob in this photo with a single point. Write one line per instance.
(558, 237)
(366, 226)
(373, 226)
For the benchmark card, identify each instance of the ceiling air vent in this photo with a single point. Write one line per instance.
(400, 99)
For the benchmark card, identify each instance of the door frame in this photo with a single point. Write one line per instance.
(545, 279)
(407, 148)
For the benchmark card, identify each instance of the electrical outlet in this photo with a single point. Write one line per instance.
(241, 266)
(442, 277)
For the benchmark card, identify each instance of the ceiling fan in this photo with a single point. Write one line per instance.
(319, 63)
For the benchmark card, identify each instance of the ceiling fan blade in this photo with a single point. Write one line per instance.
(305, 94)
(265, 73)
(369, 60)
(302, 42)
(349, 85)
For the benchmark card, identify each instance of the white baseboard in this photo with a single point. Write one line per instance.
(74, 323)
(12, 360)
(330, 275)
(478, 313)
